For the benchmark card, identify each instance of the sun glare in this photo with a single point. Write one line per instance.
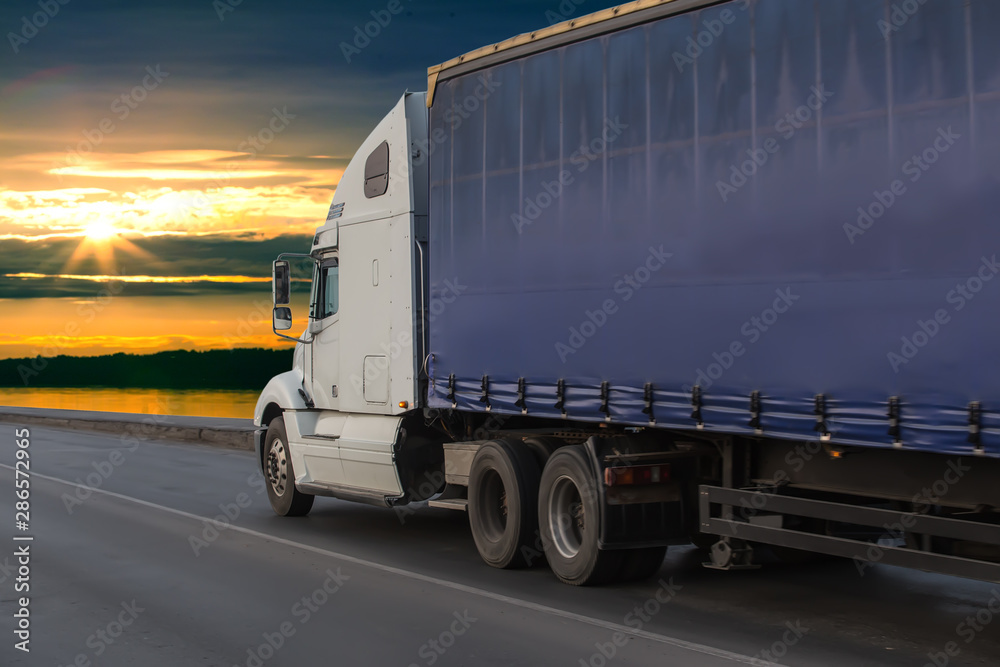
(100, 231)
(100, 240)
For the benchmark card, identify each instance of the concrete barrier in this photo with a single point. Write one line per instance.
(215, 432)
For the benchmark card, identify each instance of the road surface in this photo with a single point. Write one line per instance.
(135, 573)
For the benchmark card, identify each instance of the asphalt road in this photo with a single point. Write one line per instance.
(135, 574)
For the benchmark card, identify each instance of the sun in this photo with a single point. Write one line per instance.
(100, 240)
(100, 230)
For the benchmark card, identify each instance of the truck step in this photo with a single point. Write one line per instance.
(461, 504)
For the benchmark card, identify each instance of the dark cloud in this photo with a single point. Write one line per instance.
(173, 256)
(226, 76)
(39, 288)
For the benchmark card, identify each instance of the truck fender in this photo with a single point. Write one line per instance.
(281, 392)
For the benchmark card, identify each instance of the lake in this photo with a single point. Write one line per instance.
(193, 403)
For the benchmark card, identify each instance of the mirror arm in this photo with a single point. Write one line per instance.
(304, 341)
(287, 337)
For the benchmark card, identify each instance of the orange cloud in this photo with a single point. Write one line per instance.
(84, 327)
(145, 279)
(96, 345)
(177, 191)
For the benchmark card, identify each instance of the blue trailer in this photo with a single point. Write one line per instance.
(679, 270)
(783, 204)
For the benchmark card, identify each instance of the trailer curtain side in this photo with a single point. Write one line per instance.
(779, 210)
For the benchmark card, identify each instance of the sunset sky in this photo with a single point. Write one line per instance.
(181, 145)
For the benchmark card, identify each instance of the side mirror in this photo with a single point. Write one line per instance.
(281, 286)
(281, 319)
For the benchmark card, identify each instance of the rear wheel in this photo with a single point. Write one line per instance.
(569, 519)
(285, 499)
(503, 503)
(542, 448)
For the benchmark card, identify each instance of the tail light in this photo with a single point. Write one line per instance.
(636, 475)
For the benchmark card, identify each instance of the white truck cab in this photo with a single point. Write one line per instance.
(357, 363)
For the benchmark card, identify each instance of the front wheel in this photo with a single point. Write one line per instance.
(285, 499)
(569, 519)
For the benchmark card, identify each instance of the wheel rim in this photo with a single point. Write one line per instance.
(493, 500)
(277, 466)
(567, 519)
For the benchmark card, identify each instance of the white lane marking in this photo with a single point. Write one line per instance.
(524, 604)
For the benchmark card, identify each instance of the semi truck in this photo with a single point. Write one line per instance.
(678, 271)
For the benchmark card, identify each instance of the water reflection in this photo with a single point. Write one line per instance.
(193, 403)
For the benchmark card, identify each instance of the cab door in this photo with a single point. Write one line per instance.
(321, 447)
(324, 325)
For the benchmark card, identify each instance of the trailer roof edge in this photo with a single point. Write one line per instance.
(604, 21)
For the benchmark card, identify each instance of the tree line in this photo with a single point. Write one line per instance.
(244, 368)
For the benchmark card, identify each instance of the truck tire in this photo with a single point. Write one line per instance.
(568, 517)
(285, 499)
(503, 503)
(641, 564)
(542, 448)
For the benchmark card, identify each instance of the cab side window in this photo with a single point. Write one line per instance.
(377, 171)
(326, 290)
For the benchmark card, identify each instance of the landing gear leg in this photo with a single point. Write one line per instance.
(731, 554)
